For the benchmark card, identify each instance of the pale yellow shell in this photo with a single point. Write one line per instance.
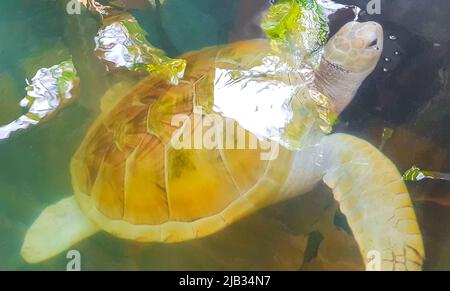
(132, 183)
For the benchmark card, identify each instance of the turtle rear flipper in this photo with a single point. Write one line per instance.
(375, 200)
(59, 226)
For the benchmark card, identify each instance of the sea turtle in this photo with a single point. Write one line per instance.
(131, 181)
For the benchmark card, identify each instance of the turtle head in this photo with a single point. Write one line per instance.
(356, 47)
(349, 57)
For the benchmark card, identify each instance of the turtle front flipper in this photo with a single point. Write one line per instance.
(375, 200)
(57, 228)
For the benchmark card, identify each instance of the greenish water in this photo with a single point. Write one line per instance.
(34, 165)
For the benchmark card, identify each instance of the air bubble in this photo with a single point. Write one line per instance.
(387, 60)
(396, 53)
(385, 70)
(393, 37)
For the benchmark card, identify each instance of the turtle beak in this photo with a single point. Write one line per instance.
(376, 36)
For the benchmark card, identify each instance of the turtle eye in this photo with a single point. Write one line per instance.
(373, 43)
